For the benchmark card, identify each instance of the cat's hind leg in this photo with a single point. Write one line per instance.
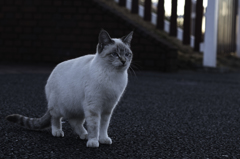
(57, 126)
(56, 117)
(77, 125)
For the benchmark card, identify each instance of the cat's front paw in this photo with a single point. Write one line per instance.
(106, 140)
(58, 133)
(92, 143)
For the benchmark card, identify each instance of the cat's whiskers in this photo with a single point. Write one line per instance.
(135, 65)
(132, 71)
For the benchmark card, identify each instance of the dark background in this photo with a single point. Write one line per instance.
(51, 31)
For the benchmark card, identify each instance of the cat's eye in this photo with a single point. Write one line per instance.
(127, 54)
(114, 54)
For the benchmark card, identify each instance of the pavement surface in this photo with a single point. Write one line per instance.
(177, 115)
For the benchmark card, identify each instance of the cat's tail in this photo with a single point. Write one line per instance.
(31, 123)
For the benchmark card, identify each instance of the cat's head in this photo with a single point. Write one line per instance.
(115, 52)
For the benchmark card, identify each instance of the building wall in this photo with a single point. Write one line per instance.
(52, 31)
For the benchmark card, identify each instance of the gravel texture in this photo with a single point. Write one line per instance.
(179, 115)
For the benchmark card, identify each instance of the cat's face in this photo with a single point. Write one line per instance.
(115, 52)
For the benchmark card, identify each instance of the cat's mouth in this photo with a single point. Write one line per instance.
(122, 66)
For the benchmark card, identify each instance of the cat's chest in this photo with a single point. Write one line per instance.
(111, 94)
(111, 88)
(114, 87)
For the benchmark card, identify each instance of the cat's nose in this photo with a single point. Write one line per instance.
(123, 62)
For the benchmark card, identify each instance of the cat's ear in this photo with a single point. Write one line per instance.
(104, 38)
(127, 39)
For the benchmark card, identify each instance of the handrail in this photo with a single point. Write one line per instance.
(161, 24)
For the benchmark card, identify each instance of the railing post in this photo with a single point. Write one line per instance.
(210, 37)
(187, 22)
(147, 10)
(160, 14)
(173, 19)
(238, 30)
(122, 3)
(134, 8)
(198, 25)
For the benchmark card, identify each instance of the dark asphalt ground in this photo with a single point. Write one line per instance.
(178, 115)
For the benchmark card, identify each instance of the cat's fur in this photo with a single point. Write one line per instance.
(86, 88)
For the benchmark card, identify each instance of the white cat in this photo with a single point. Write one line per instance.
(86, 88)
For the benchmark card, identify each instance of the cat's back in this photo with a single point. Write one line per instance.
(72, 66)
(68, 72)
